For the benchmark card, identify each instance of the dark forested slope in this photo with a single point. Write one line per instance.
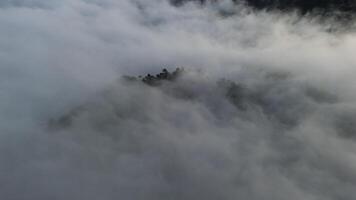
(302, 5)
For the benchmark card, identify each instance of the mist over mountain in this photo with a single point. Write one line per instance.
(141, 100)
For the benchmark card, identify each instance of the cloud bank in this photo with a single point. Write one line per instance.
(265, 110)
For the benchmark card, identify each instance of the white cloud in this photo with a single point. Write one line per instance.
(288, 134)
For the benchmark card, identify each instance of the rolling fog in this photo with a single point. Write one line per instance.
(265, 108)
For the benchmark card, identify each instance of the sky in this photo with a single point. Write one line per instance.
(265, 110)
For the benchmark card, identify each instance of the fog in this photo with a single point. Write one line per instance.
(265, 108)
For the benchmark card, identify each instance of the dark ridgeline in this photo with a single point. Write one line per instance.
(303, 5)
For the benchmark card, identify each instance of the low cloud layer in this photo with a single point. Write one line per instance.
(264, 110)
